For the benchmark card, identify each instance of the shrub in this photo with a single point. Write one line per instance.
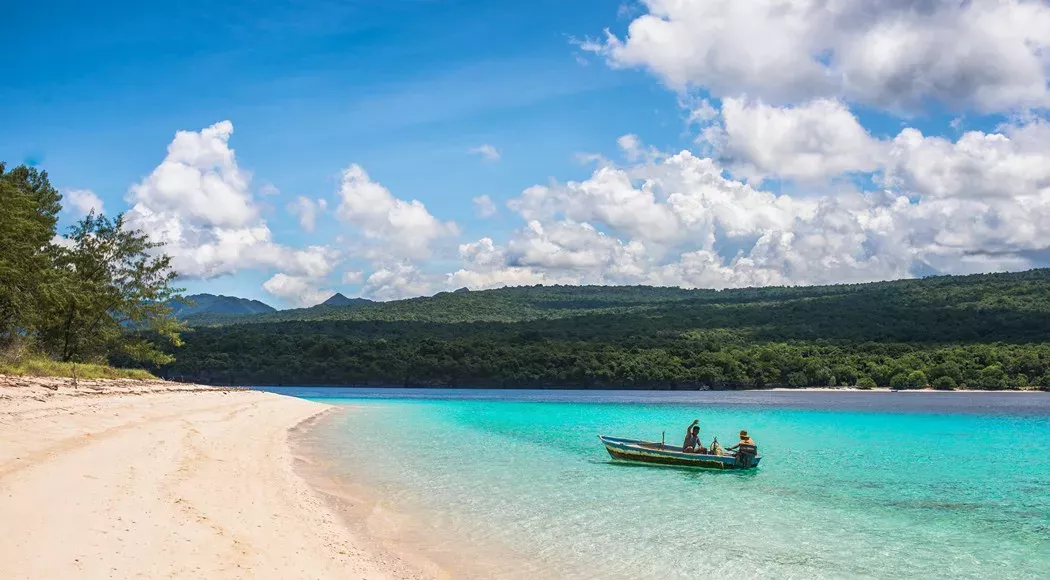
(865, 383)
(916, 380)
(944, 383)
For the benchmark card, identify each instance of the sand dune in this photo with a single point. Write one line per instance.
(124, 479)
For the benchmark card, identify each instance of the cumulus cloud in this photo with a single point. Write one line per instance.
(300, 291)
(403, 229)
(484, 206)
(814, 141)
(200, 180)
(897, 54)
(483, 254)
(487, 152)
(198, 205)
(399, 280)
(81, 202)
(486, 265)
(976, 204)
(1014, 162)
(609, 196)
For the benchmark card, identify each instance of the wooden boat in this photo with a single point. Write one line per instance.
(657, 453)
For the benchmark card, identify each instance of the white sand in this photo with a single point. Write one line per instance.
(148, 480)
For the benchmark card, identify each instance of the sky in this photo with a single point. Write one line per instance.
(284, 151)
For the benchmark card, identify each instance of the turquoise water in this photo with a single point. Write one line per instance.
(866, 485)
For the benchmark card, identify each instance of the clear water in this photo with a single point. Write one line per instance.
(852, 485)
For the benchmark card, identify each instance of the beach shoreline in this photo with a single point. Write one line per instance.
(124, 478)
(390, 523)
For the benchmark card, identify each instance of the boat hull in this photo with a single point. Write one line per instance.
(635, 451)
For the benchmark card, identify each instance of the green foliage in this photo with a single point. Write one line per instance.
(992, 377)
(100, 291)
(111, 286)
(916, 380)
(45, 367)
(905, 334)
(944, 383)
(29, 208)
(865, 383)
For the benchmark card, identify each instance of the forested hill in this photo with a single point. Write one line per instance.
(201, 305)
(1017, 292)
(989, 331)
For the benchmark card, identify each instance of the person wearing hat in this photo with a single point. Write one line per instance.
(746, 450)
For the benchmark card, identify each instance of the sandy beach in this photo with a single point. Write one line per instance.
(131, 479)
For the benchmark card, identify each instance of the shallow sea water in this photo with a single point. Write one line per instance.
(852, 485)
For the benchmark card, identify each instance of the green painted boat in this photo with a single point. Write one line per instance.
(656, 453)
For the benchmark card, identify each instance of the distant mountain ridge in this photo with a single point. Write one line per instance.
(212, 304)
(340, 300)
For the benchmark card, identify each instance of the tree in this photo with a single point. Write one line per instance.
(899, 381)
(944, 383)
(29, 208)
(797, 380)
(992, 377)
(114, 296)
(948, 369)
(865, 383)
(916, 380)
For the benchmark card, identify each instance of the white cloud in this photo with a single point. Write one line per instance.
(898, 54)
(815, 141)
(484, 206)
(509, 276)
(630, 145)
(399, 280)
(353, 277)
(1012, 163)
(981, 202)
(487, 152)
(403, 229)
(300, 291)
(483, 254)
(63, 242)
(197, 204)
(569, 246)
(307, 210)
(610, 197)
(200, 180)
(82, 202)
(486, 266)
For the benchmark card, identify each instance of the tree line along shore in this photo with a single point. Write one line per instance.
(978, 332)
(98, 299)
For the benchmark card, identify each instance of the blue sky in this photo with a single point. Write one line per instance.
(406, 89)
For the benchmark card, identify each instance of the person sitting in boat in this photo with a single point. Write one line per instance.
(692, 438)
(746, 450)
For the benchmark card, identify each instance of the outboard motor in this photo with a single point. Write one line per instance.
(745, 454)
